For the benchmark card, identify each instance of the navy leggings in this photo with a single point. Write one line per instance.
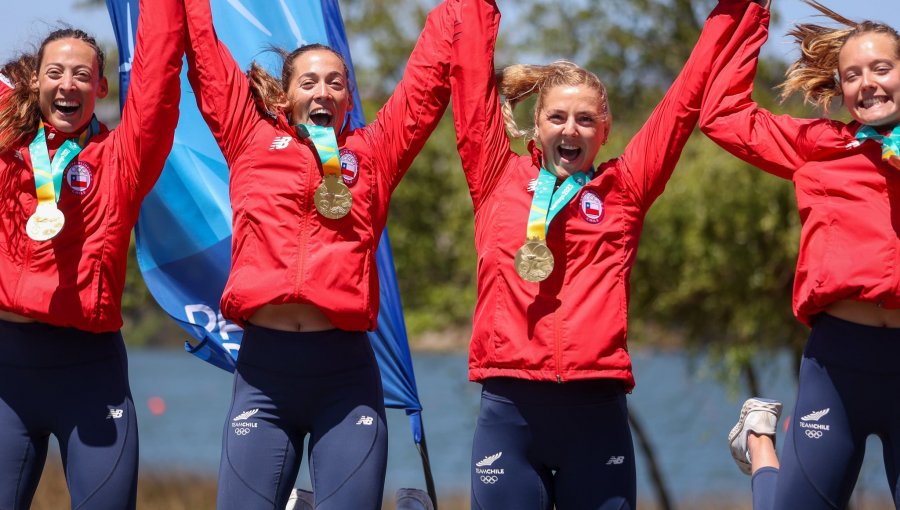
(287, 385)
(74, 385)
(849, 387)
(542, 443)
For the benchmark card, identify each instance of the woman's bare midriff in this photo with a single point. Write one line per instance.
(869, 314)
(14, 317)
(291, 317)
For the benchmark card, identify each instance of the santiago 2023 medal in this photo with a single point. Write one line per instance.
(47, 220)
(333, 199)
(534, 261)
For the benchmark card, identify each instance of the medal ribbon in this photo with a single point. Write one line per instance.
(325, 142)
(890, 144)
(546, 203)
(48, 176)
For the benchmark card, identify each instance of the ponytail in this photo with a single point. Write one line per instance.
(267, 91)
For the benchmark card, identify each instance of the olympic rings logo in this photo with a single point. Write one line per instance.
(813, 434)
(241, 431)
(489, 480)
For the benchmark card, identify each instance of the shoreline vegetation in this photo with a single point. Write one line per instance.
(188, 491)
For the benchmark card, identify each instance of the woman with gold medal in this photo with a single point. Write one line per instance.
(71, 193)
(310, 200)
(556, 240)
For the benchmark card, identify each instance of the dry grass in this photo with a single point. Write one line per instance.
(182, 491)
(168, 491)
(157, 491)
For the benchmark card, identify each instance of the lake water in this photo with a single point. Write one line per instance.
(686, 415)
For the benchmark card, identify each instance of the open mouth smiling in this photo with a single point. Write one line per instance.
(321, 117)
(66, 107)
(568, 153)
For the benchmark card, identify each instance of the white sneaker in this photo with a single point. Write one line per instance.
(758, 415)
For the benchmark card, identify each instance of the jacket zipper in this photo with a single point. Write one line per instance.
(304, 226)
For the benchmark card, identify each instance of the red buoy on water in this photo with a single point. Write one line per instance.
(156, 405)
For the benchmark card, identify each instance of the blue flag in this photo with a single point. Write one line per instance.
(184, 231)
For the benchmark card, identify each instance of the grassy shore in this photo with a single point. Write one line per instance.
(168, 491)
(181, 491)
(173, 491)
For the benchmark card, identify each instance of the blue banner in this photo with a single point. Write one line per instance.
(184, 231)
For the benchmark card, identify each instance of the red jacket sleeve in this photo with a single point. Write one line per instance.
(480, 131)
(776, 144)
(221, 88)
(416, 106)
(144, 136)
(652, 154)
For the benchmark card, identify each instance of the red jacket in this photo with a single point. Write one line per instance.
(572, 325)
(77, 278)
(846, 194)
(283, 250)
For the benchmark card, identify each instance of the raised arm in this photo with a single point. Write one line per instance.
(416, 106)
(480, 131)
(221, 88)
(144, 137)
(730, 117)
(652, 154)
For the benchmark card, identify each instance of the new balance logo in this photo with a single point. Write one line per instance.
(115, 414)
(280, 142)
(614, 460)
(365, 420)
(246, 414)
(815, 415)
(490, 459)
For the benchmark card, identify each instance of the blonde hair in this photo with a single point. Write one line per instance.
(269, 92)
(518, 82)
(815, 74)
(21, 112)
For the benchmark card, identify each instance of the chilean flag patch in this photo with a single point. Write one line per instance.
(79, 178)
(591, 207)
(349, 167)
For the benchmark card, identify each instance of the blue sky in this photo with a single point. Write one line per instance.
(26, 21)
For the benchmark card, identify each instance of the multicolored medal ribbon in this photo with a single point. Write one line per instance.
(47, 220)
(333, 199)
(890, 144)
(534, 260)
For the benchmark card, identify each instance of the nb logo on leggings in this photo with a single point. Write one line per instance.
(615, 461)
(365, 420)
(115, 414)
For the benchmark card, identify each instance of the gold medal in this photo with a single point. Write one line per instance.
(46, 222)
(534, 261)
(333, 198)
